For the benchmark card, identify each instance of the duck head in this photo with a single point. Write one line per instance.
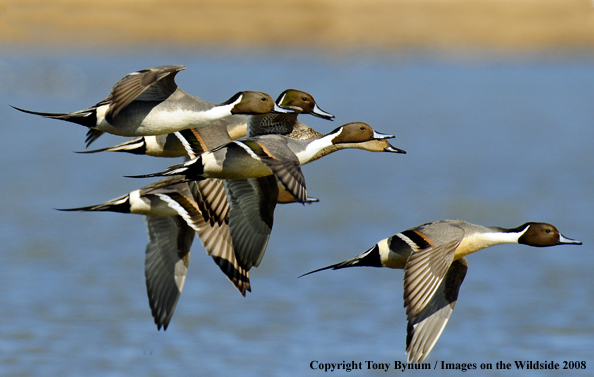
(302, 103)
(357, 132)
(543, 234)
(253, 103)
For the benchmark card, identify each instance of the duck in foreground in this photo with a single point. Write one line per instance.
(432, 256)
(149, 102)
(270, 155)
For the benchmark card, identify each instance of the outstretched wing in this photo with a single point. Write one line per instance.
(424, 272)
(166, 264)
(424, 329)
(155, 84)
(204, 207)
(251, 217)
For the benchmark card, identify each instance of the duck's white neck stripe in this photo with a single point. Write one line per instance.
(218, 112)
(507, 237)
(314, 147)
(476, 241)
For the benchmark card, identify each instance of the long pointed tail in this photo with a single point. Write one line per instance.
(121, 204)
(348, 263)
(192, 170)
(87, 117)
(134, 146)
(369, 257)
(332, 267)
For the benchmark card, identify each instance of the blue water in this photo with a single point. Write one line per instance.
(491, 140)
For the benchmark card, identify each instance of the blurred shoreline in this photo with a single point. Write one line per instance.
(346, 25)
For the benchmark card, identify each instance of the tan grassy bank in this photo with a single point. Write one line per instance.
(336, 24)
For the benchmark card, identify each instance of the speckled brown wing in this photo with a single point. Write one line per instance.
(424, 329)
(423, 273)
(251, 217)
(206, 210)
(166, 264)
(274, 152)
(434, 246)
(154, 84)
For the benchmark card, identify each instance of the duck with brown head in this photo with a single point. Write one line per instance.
(149, 102)
(432, 256)
(231, 128)
(270, 154)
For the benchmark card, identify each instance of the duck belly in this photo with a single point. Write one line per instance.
(146, 118)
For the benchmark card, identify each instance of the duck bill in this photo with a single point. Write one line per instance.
(321, 113)
(567, 241)
(393, 149)
(379, 135)
(281, 110)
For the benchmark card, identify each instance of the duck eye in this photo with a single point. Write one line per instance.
(548, 231)
(263, 99)
(304, 99)
(361, 128)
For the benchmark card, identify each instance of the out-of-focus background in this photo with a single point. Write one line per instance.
(491, 99)
(378, 25)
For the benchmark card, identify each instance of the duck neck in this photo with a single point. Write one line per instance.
(325, 151)
(336, 147)
(214, 113)
(477, 239)
(315, 146)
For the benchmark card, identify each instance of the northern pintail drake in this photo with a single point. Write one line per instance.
(433, 258)
(234, 126)
(149, 102)
(270, 154)
(175, 210)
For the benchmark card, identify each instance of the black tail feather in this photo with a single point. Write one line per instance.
(332, 267)
(87, 118)
(347, 263)
(368, 258)
(116, 207)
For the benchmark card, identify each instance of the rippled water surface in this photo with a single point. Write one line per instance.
(496, 142)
